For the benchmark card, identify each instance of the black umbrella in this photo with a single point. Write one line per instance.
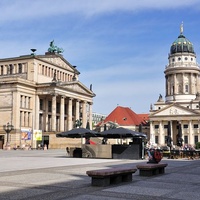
(77, 133)
(120, 133)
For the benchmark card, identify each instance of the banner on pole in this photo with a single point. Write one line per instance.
(26, 134)
(37, 135)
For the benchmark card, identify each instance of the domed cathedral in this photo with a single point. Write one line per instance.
(176, 121)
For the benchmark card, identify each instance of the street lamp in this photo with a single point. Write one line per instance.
(8, 128)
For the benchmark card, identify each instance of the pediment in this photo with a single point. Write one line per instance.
(174, 110)
(77, 87)
(58, 61)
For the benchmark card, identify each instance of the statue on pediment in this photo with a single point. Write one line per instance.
(54, 49)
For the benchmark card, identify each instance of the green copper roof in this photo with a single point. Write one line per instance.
(181, 44)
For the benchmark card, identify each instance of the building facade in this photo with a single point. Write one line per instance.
(41, 94)
(181, 108)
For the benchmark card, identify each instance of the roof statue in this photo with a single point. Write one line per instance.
(54, 49)
(181, 28)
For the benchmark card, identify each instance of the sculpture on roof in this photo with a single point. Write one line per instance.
(54, 49)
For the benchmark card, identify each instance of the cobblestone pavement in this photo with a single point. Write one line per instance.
(51, 175)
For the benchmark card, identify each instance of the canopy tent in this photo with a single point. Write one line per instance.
(121, 133)
(77, 133)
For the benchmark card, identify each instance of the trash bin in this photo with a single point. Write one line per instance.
(77, 153)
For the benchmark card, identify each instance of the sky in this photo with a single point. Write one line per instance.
(119, 46)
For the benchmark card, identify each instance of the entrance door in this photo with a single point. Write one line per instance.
(46, 141)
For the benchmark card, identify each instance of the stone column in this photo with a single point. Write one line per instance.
(62, 111)
(22, 119)
(84, 117)
(161, 134)
(77, 114)
(191, 135)
(152, 134)
(175, 84)
(37, 107)
(172, 134)
(30, 119)
(190, 85)
(69, 114)
(90, 114)
(53, 113)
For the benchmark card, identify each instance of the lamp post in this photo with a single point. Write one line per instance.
(8, 128)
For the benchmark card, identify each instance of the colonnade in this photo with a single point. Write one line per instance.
(178, 86)
(190, 130)
(59, 112)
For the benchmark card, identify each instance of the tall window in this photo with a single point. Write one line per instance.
(195, 139)
(1, 69)
(20, 68)
(21, 99)
(186, 88)
(156, 126)
(49, 106)
(156, 139)
(41, 104)
(11, 68)
(186, 139)
(57, 107)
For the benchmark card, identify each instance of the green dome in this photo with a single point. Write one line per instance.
(181, 44)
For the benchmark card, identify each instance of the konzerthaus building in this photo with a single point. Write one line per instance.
(181, 108)
(41, 95)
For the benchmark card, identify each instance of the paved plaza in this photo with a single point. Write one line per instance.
(51, 175)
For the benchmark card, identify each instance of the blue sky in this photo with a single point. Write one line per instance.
(120, 46)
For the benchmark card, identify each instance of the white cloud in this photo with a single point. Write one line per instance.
(27, 9)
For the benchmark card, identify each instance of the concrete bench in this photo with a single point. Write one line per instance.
(151, 169)
(105, 177)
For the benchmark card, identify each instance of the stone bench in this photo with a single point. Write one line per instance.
(105, 177)
(151, 169)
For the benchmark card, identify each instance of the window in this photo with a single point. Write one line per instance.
(29, 102)
(195, 139)
(156, 139)
(57, 107)
(186, 88)
(19, 68)
(196, 126)
(49, 106)
(11, 68)
(186, 139)
(42, 69)
(165, 126)
(21, 100)
(185, 125)
(41, 104)
(156, 126)
(1, 69)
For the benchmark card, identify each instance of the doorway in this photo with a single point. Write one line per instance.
(1, 141)
(45, 140)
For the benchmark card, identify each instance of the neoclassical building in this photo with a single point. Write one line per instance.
(41, 94)
(181, 106)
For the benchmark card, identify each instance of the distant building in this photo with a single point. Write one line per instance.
(178, 114)
(41, 94)
(97, 117)
(126, 118)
